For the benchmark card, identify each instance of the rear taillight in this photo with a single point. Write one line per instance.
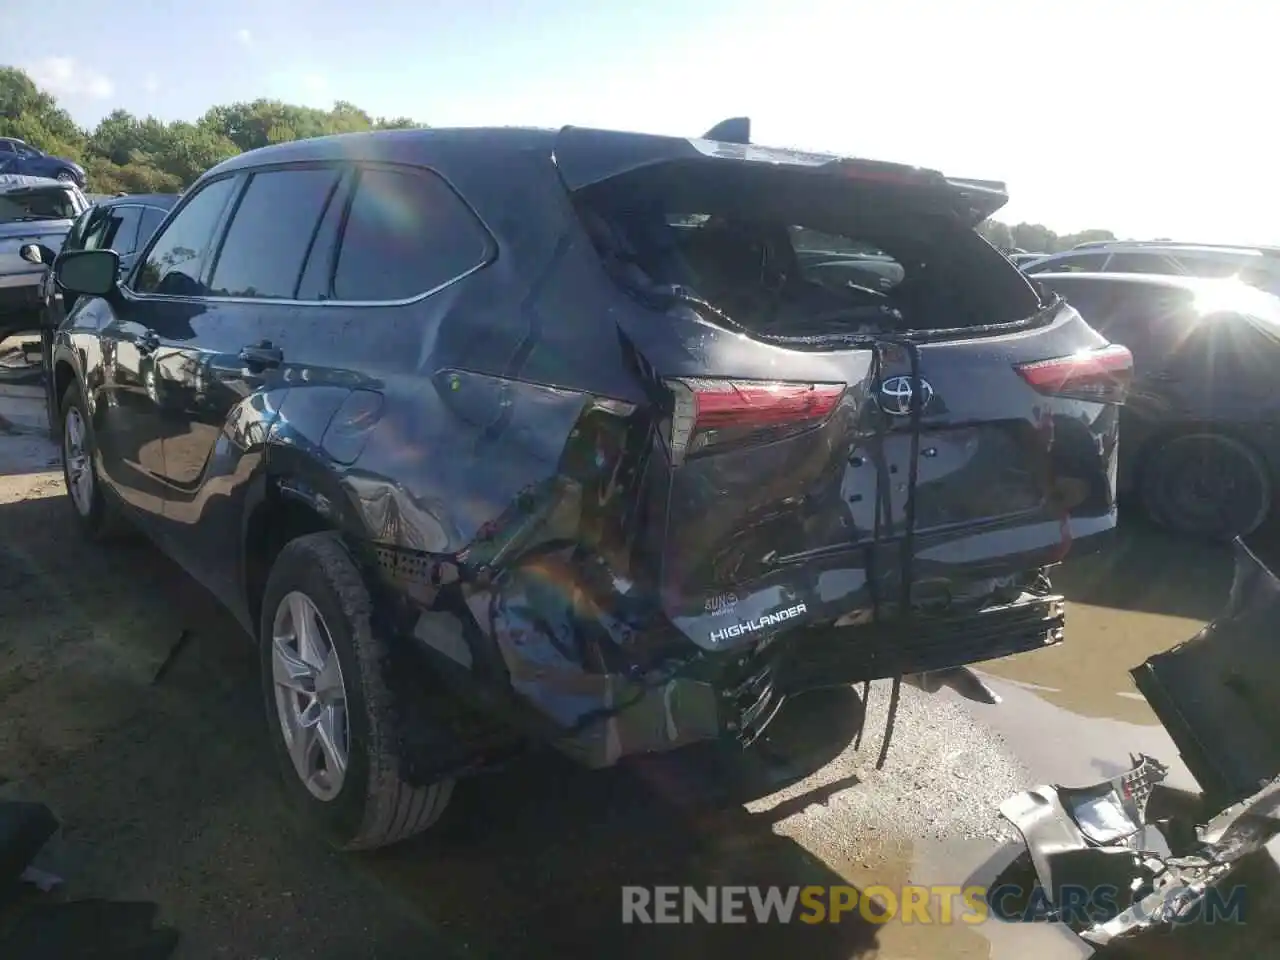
(715, 414)
(1102, 375)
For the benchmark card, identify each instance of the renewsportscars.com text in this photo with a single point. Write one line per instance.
(910, 904)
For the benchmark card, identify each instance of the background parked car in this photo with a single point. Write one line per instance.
(1254, 265)
(123, 224)
(33, 210)
(1021, 257)
(1201, 426)
(17, 156)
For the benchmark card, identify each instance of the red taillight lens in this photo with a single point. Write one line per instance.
(1102, 375)
(718, 413)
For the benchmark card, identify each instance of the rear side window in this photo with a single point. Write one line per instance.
(178, 257)
(1140, 263)
(270, 233)
(406, 233)
(1077, 263)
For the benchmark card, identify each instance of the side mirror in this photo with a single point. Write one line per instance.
(92, 273)
(37, 253)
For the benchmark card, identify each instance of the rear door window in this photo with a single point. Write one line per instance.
(407, 233)
(270, 233)
(175, 264)
(317, 275)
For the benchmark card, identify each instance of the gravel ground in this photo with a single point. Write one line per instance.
(166, 789)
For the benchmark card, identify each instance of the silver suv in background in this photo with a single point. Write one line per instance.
(32, 210)
(1259, 266)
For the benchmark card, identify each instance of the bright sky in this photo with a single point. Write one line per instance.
(1148, 117)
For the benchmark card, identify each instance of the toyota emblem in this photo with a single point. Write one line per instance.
(896, 392)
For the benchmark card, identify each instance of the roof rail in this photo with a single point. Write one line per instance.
(1269, 251)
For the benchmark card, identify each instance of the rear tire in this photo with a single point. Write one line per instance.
(98, 518)
(1207, 485)
(346, 781)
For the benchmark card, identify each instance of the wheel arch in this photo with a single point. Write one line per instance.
(295, 494)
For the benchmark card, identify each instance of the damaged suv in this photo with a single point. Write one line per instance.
(608, 440)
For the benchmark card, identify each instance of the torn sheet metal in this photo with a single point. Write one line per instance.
(1216, 693)
(601, 680)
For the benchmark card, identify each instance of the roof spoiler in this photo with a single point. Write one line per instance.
(733, 130)
(978, 199)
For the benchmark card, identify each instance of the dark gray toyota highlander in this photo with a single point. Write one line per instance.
(594, 438)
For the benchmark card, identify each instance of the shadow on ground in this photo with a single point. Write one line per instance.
(167, 794)
(1149, 570)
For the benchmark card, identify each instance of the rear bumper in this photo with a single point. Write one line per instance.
(840, 656)
(599, 717)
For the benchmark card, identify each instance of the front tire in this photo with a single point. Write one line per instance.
(66, 176)
(1207, 485)
(328, 703)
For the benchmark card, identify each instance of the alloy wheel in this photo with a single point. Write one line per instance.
(311, 696)
(75, 454)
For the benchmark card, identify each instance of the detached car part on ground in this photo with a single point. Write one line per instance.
(1216, 696)
(621, 471)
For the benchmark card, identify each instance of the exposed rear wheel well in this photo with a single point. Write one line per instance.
(275, 522)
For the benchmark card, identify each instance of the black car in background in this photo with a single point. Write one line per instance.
(492, 435)
(122, 224)
(1201, 426)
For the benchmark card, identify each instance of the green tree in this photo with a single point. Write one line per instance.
(997, 234)
(145, 154)
(30, 114)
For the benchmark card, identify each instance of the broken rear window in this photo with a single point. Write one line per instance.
(789, 254)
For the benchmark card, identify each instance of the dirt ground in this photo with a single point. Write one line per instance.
(167, 793)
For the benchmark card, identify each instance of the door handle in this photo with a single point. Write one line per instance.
(261, 356)
(149, 342)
